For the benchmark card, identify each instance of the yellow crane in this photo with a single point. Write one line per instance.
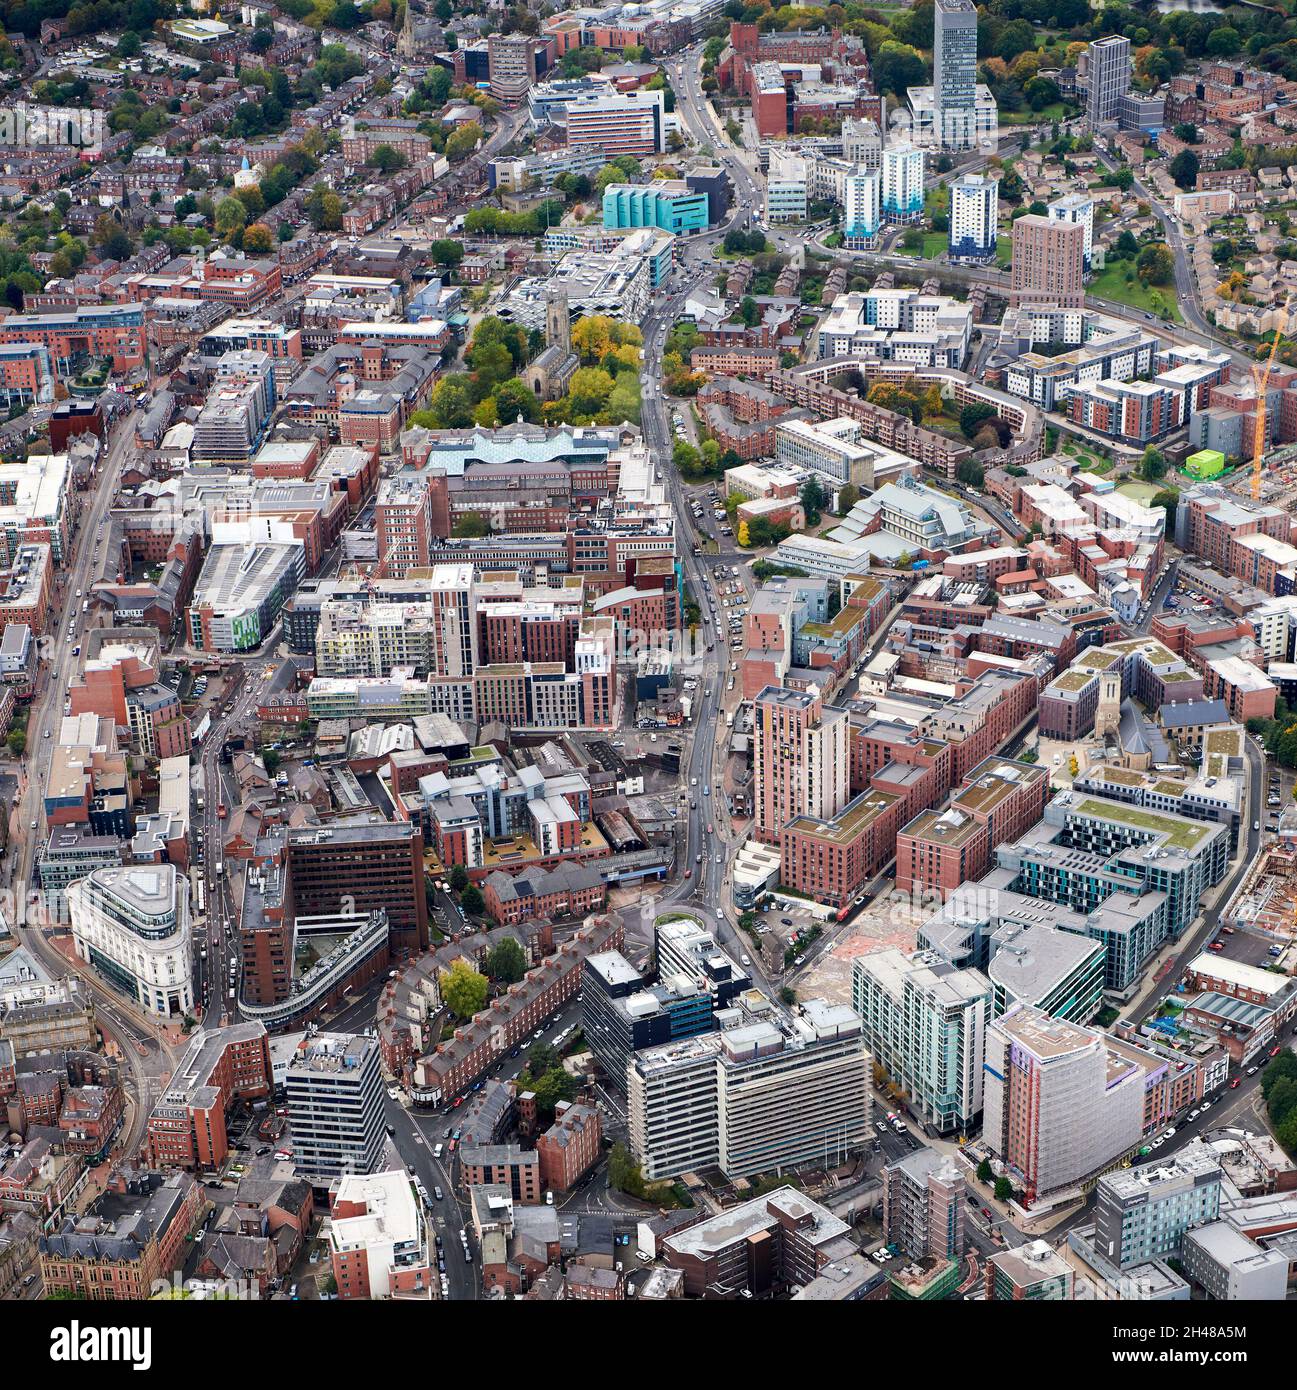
(1261, 380)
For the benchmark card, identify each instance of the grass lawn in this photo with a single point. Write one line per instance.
(1111, 283)
(1057, 112)
(1004, 249)
(934, 244)
(1140, 492)
(1089, 460)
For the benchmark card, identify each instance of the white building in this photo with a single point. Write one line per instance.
(765, 1092)
(1078, 209)
(787, 188)
(385, 1236)
(861, 208)
(335, 1105)
(897, 325)
(925, 1024)
(902, 183)
(974, 221)
(132, 925)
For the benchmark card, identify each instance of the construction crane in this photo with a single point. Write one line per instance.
(1261, 380)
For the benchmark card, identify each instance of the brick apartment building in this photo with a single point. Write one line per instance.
(570, 1147)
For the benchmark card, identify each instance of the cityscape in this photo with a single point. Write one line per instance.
(648, 652)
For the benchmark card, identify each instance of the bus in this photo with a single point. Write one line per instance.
(199, 898)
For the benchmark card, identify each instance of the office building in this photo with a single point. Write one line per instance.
(923, 1205)
(355, 868)
(617, 123)
(186, 1127)
(974, 220)
(668, 205)
(511, 66)
(925, 1024)
(954, 73)
(335, 1106)
(903, 188)
(787, 187)
(1060, 1106)
(1033, 1272)
(132, 925)
(801, 764)
(1231, 1267)
(1076, 208)
(1109, 69)
(767, 1091)
(768, 1244)
(1048, 262)
(1143, 1213)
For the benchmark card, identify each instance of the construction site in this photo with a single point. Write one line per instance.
(1267, 899)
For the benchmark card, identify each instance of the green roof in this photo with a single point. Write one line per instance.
(1180, 833)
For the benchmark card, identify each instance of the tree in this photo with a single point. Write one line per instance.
(471, 900)
(505, 962)
(972, 416)
(1003, 1189)
(231, 217)
(471, 526)
(462, 142)
(514, 398)
(814, 499)
(458, 878)
(258, 239)
(897, 66)
(17, 741)
(848, 496)
(387, 160)
(271, 759)
(446, 252)
(749, 311)
(745, 535)
(984, 1173)
(463, 990)
(1184, 169)
(1153, 465)
(624, 1174)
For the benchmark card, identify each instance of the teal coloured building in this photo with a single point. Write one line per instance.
(665, 205)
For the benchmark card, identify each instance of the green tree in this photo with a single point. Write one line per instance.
(1003, 1189)
(1184, 169)
(972, 417)
(387, 160)
(984, 1172)
(447, 252)
(471, 900)
(17, 741)
(463, 989)
(1153, 465)
(514, 398)
(459, 878)
(1156, 265)
(897, 66)
(505, 962)
(624, 1174)
(231, 217)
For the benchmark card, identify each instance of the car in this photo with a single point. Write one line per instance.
(786, 921)
(1275, 1051)
(549, 1199)
(1157, 1143)
(1193, 1114)
(1206, 1105)
(34, 824)
(1252, 1071)
(709, 828)
(438, 1193)
(263, 1151)
(689, 873)
(1233, 1085)
(988, 1213)
(707, 791)
(1256, 825)
(49, 733)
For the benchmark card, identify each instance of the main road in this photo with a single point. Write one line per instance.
(121, 1021)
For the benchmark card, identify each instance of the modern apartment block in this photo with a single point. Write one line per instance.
(767, 1091)
(923, 1205)
(378, 1238)
(1109, 68)
(974, 218)
(1079, 209)
(954, 74)
(925, 1023)
(1143, 1213)
(902, 183)
(335, 1106)
(801, 764)
(940, 850)
(1048, 262)
(1060, 1105)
